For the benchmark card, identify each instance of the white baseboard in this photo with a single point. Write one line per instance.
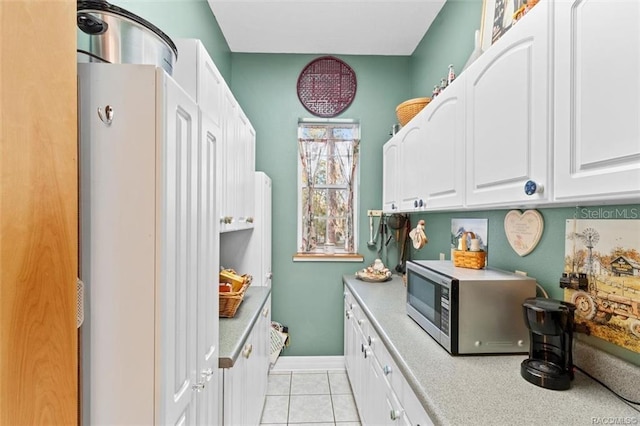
(309, 363)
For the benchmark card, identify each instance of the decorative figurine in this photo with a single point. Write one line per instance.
(451, 76)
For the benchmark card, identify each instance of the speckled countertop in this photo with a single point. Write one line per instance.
(487, 390)
(234, 331)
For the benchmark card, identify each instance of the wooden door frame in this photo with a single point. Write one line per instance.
(38, 213)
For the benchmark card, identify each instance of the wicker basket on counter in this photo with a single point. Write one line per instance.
(408, 109)
(229, 301)
(464, 258)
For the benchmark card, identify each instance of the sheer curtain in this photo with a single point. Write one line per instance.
(329, 157)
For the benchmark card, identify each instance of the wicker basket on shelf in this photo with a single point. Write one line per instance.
(230, 300)
(469, 259)
(408, 109)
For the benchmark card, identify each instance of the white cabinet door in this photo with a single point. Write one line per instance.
(250, 253)
(245, 166)
(349, 334)
(118, 244)
(443, 173)
(377, 394)
(245, 384)
(178, 261)
(208, 254)
(227, 173)
(196, 73)
(390, 177)
(508, 112)
(412, 165)
(211, 86)
(259, 364)
(597, 95)
(235, 391)
(263, 209)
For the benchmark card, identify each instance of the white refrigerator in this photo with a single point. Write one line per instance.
(149, 250)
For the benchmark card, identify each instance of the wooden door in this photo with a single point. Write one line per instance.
(38, 213)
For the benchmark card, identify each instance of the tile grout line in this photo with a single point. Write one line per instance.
(333, 408)
(289, 399)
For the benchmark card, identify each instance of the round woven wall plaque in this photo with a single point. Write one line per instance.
(326, 86)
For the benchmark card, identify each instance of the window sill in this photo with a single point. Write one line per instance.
(323, 257)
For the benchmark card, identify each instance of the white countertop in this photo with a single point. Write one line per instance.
(485, 389)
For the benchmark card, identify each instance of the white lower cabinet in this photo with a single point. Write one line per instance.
(382, 394)
(244, 386)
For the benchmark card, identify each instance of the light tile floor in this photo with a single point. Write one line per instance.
(319, 398)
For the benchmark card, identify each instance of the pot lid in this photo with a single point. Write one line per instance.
(103, 6)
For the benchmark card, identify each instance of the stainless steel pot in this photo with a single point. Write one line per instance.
(120, 37)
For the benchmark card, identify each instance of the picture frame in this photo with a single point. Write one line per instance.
(497, 18)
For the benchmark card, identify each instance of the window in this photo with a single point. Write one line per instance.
(328, 158)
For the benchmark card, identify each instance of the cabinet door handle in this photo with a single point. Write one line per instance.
(207, 373)
(265, 312)
(386, 370)
(395, 414)
(106, 115)
(247, 350)
(198, 387)
(531, 187)
(348, 314)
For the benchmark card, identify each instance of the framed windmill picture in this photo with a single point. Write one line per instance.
(602, 278)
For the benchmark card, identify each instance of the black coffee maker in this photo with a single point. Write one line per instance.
(551, 325)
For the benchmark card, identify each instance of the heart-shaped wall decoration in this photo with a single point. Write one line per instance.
(523, 230)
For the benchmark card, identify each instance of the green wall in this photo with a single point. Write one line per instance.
(545, 263)
(307, 297)
(448, 41)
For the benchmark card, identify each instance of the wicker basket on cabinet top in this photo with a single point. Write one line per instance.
(408, 109)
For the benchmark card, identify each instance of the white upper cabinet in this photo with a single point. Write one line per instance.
(413, 153)
(508, 116)
(198, 75)
(390, 176)
(597, 101)
(442, 172)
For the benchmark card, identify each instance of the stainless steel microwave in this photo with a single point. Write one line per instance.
(469, 311)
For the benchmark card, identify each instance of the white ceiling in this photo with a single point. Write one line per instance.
(347, 27)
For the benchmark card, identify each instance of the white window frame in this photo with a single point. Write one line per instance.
(324, 253)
